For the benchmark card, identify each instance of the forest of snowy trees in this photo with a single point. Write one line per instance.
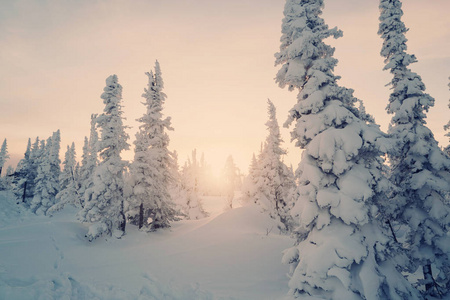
(369, 211)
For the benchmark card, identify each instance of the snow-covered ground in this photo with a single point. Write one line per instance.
(234, 254)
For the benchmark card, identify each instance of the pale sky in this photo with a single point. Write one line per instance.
(217, 60)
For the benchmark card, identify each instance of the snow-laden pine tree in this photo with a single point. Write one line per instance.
(4, 155)
(249, 183)
(68, 193)
(34, 161)
(176, 191)
(190, 202)
(105, 209)
(48, 173)
(8, 179)
(418, 166)
(45, 189)
(89, 161)
(342, 252)
(275, 182)
(20, 176)
(83, 172)
(151, 206)
(55, 162)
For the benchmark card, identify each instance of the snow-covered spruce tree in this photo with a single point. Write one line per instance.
(275, 182)
(83, 172)
(4, 156)
(48, 173)
(176, 191)
(249, 184)
(150, 170)
(45, 189)
(106, 205)
(418, 165)
(19, 178)
(229, 175)
(9, 177)
(342, 252)
(68, 183)
(191, 205)
(251, 181)
(89, 162)
(55, 162)
(34, 160)
(47, 178)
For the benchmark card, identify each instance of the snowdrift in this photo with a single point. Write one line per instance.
(230, 255)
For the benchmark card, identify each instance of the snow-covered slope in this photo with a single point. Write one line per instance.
(231, 255)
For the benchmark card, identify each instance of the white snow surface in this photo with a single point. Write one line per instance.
(234, 254)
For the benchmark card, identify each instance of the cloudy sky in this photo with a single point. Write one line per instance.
(217, 62)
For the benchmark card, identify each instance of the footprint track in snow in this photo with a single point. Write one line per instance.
(60, 256)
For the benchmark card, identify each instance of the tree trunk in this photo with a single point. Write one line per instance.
(123, 220)
(24, 191)
(392, 230)
(141, 216)
(428, 276)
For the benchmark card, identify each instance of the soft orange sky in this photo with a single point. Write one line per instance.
(217, 63)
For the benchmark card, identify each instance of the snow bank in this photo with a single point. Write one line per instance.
(231, 255)
(65, 286)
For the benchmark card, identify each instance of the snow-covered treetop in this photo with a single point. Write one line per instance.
(301, 43)
(85, 155)
(152, 121)
(112, 95)
(69, 159)
(28, 150)
(153, 93)
(113, 135)
(93, 136)
(55, 161)
(273, 140)
(4, 156)
(408, 101)
(307, 63)
(159, 83)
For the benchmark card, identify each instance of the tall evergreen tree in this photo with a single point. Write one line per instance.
(341, 251)
(250, 181)
(150, 170)
(83, 172)
(106, 206)
(68, 193)
(48, 173)
(55, 161)
(45, 189)
(275, 182)
(418, 165)
(176, 190)
(4, 155)
(20, 176)
(190, 178)
(89, 162)
(34, 161)
(9, 177)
